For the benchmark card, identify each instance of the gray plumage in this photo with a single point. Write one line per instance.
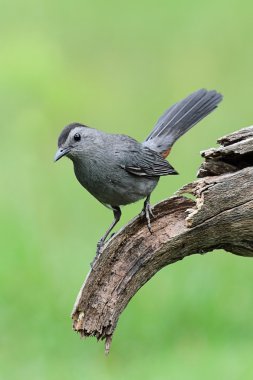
(118, 170)
(179, 118)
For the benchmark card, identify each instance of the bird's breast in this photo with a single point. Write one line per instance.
(110, 183)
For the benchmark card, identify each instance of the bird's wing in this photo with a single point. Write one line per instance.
(145, 162)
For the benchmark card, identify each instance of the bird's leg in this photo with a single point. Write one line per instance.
(147, 211)
(117, 215)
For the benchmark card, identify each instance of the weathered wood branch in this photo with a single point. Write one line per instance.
(220, 216)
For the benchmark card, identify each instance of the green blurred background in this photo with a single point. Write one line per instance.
(115, 66)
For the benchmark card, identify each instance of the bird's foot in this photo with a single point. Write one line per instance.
(100, 245)
(147, 211)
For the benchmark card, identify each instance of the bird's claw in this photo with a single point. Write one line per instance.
(98, 251)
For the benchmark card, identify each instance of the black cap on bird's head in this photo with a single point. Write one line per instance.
(69, 139)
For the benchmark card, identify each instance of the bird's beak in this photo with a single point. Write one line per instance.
(60, 153)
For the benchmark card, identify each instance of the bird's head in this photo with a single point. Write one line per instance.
(72, 141)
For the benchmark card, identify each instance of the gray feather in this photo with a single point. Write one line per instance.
(179, 118)
(147, 163)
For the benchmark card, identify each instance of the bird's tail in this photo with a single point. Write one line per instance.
(179, 118)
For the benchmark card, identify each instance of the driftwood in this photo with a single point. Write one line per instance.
(217, 214)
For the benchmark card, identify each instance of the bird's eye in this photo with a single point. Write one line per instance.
(77, 137)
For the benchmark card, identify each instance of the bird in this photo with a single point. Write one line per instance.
(117, 169)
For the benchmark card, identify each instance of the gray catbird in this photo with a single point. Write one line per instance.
(118, 170)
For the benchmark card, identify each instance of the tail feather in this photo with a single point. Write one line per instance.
(179, 118)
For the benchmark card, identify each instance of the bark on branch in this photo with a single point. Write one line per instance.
(221, 216)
